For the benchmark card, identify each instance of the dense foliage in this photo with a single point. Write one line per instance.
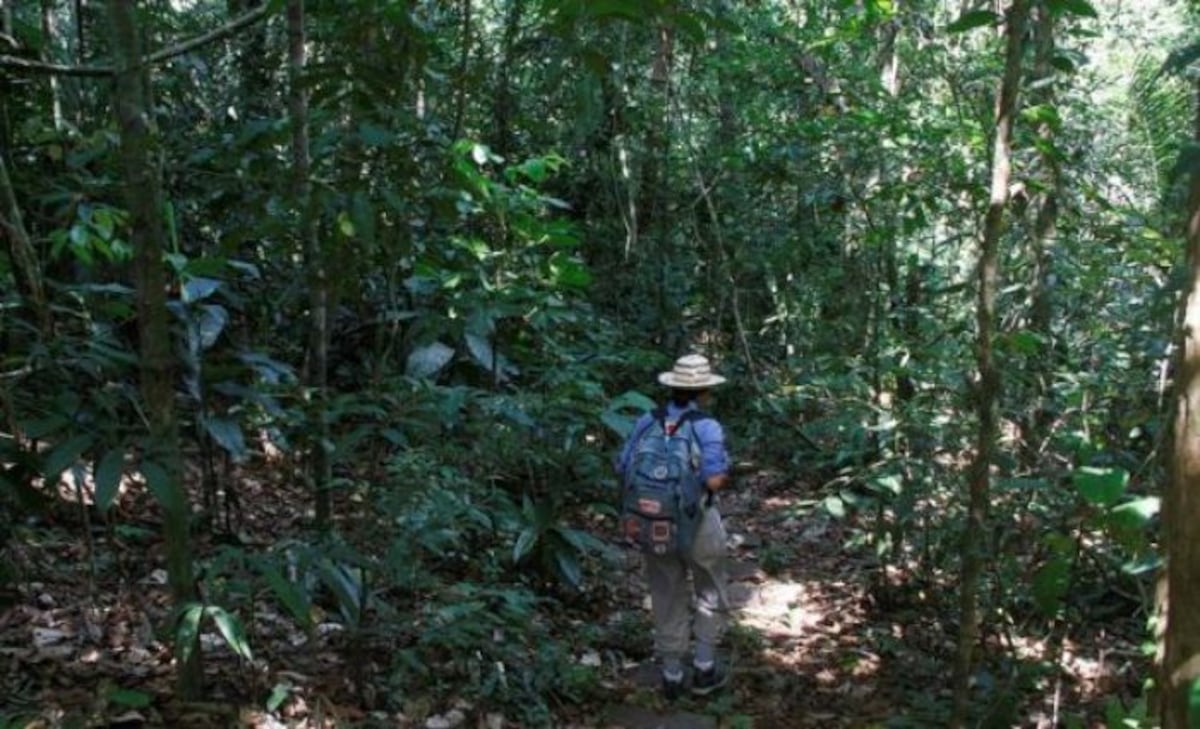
(514, 213)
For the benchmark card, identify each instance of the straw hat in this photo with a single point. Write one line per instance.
(691, 372)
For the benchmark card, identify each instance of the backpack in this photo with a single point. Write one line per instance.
(660, 505)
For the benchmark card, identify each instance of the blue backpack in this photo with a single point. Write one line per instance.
(660, 505)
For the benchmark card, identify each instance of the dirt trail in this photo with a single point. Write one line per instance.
(800, 641)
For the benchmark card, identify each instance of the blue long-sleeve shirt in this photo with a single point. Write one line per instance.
(714, 458)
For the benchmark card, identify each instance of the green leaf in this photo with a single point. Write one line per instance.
(534, 169)
(373, 135)
(279, 694)
(973, 19)
(1050, 583)
(835, 506)
(1101, 486)
(39, 429)
(187, 633)
(568, 568)
(66, 455)
(108, 477)
(427, 361)
(198, 289)
(213, 318)
(526, 541)
(569, 272)
(293, 596)
(231, 630)
(1136, 514)
(130, 698)
(228, 435)
(164, 488)
(1072, 7)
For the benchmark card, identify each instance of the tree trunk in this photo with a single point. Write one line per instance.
(987, 387)
(21, 250)
(1045, 236)
(504, 106)
(50, 55)
(253, 70)
(143, 191)
(464, 60)
(1181, 511)
(317, 371)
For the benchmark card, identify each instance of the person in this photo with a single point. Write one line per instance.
(690, 381)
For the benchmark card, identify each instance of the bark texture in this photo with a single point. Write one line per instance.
(320, 468)
(987, 386)
(143, 192)
(1181, 510)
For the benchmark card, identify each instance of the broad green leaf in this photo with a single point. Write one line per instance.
(345, 224)
(427, 361)
(213, 318)
(228, 435)
(279, 694)
(165, 489)
(534, 169)
(1050, 583)
(346, 585)
(485, 356)
(231, 630)
(1138, 513)
(526, 541)
(973, 19)
(1101, 486)
(373, 135)
(568, 567)
(569, 272)
(187, 632)
(580, 539)
(834, 505)
(108, 477)
(39, 429)
(293, 596)
(1072, 7)
(129, 698)
(689, 26)
(199, 288)
(66, 454)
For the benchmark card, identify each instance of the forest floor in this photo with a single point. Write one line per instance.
(814, 642)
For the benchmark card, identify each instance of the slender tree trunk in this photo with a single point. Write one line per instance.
(320, 467)
(1045, 235)
(50, 55)
(464, 60)
(987, 387)
(22, 252)
(505, 104)
(1181, 512)
(143, 191)
(251, 52)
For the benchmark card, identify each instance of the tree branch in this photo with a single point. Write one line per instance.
(166, 54)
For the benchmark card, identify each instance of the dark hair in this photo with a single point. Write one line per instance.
(683, 398)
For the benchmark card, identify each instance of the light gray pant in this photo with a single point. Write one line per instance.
(670, 598)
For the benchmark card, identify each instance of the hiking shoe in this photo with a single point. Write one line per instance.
(706, 682)
(672, 690)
